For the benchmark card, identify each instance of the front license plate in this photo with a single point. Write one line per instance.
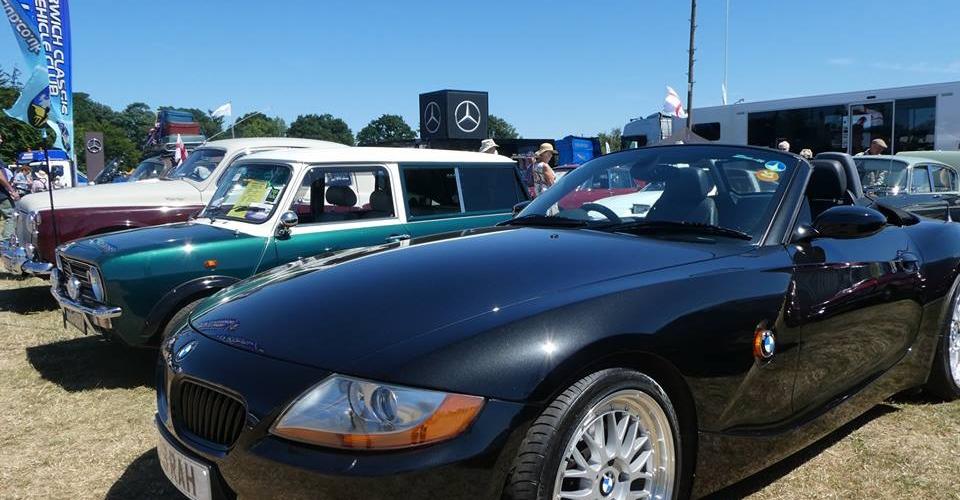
(189, 476)
(76, 319)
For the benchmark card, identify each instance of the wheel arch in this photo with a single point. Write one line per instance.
(183, 294)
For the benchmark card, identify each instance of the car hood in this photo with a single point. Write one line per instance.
(333, 311)
(124, 194)
(178, 235)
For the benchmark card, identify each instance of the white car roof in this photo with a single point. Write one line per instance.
(379, 155)
(266, 142)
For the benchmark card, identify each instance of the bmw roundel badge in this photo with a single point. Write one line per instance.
(764, 344)
(185, 350)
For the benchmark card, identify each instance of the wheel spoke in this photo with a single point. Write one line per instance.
(588, 493)
(639, 463)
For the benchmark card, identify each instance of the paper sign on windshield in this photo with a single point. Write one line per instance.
(253, 194)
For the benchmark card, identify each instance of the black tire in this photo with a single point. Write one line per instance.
(535, 469)
(177, 319)
(941, 382)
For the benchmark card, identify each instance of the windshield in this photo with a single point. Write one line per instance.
(249, 193)
(882, 176)
(147, 169)
(198, 165)
(684, 186)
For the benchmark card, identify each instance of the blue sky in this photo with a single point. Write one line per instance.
(552, 67)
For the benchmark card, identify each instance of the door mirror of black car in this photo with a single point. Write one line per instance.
(848, 221)
(519, 207)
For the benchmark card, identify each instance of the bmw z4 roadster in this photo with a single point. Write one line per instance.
(758, 304)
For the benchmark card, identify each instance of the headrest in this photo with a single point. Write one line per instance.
(341, 196)
(690, 183)
(381, 201)
(849, 168)
(828, 181)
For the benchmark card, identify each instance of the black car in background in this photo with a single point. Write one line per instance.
(759, 304)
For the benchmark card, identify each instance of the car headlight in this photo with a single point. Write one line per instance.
(96, 284)
(349, 413)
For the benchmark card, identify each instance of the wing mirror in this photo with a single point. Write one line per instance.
(288, 219)
(843, 222)
(519, 207)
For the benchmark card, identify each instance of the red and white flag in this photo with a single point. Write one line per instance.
(180, 153)
(672, 105)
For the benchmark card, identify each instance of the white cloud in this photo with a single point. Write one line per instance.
(919, 67)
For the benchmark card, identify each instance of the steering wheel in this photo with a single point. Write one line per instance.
(602, 210)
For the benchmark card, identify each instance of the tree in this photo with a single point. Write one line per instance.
(613, 138)
(498, 128)
(324, 127)
(387, 128)
(257, 124)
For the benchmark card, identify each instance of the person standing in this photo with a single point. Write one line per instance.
(806, 153)
(489, 146)
(8, 196)
(543, 176)
(784, 146)
(877, 147)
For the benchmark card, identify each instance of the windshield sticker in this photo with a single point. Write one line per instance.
(767, 176)
(254, 192)
(745, 157)
(774, 165)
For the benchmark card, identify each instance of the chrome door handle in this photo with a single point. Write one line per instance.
(393, 238)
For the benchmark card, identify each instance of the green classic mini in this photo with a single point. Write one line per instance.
(269, 209)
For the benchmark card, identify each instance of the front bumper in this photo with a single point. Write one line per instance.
(14, 259)
(97, 317)
(473, 465)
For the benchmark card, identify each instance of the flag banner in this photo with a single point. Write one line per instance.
(672, 105)
(53, 22)
(42, 31)
(33, 105)
(225, 110)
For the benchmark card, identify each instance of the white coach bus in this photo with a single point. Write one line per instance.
(915, 118)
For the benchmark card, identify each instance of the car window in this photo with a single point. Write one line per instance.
(249, 193)
(198, 165)
(882, 176)
(944, 179)
(920, 180)
(431, 192)
(339, 194)
(488, 189)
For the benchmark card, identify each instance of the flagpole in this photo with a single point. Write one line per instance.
(693, 27)
(53, 214)
(726, 51)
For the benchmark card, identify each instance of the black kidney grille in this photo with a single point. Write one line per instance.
(209, 414)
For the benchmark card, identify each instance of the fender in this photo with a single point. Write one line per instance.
(186, 292)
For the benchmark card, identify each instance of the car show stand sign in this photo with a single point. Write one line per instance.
(453, 114)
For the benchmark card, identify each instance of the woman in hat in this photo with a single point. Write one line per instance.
(543, 176)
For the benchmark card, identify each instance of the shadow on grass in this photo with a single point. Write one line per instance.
(777, 471)
(143, 479)
(93, 363)
(27, 300)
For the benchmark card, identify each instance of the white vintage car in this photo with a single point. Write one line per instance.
(107, 208)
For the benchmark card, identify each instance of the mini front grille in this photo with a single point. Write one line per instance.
(208, 414)
(75, 268)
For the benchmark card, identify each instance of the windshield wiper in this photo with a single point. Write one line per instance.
(543, 220)
(655, 225)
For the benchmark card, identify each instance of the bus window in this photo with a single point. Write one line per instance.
(709, 131)
(914, 124)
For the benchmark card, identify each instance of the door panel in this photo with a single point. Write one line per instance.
(309, 241)
(866, 122)
(428, 227)
(855, 305)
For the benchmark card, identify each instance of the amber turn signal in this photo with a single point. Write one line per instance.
(210, 264)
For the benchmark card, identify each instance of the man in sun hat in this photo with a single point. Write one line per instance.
(877, 147)
(489, 146)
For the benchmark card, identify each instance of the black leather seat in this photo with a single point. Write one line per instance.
(381, 205)
(827, 187)
(854, 187)
(685, 199)
(343, 197)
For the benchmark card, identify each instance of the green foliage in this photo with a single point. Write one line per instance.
(498, 128)
(257, 124)
(324, 127)
(122, 132)
(387, 128)
(613, 138)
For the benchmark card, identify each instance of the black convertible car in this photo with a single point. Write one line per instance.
(754, 304)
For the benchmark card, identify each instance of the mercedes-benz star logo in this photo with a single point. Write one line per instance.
(467, 115)
(94, 146)
(431, 117)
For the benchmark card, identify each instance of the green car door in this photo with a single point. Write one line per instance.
(441, 198)
(341, 207)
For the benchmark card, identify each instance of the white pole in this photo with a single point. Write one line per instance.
(726, 43)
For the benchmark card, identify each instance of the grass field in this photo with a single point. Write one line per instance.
(76, 422)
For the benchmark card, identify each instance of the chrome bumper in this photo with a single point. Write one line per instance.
(98, 313)
(14, 260)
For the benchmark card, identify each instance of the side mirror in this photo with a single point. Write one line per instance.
(519, 207)
(849, 221)
(289, 219)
